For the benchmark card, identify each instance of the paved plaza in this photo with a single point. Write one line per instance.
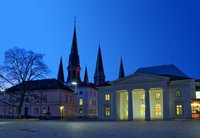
(101, 129)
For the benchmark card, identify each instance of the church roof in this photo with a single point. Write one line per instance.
(121, 70)
(45, 84)
(164, 70)
(60, 76)
(86, 80)
(74, 57)
(99, 71)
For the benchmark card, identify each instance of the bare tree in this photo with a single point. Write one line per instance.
(19, 67)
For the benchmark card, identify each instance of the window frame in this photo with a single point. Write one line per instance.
(182, 108)
(107, 97)
(81, 101)
(105, 111)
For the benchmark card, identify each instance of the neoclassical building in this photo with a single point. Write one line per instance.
(151, 93)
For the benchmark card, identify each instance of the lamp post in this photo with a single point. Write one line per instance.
(75, 86)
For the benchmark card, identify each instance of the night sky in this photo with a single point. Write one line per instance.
(142, 32)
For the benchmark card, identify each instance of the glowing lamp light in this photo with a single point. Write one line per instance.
(61, 108)
(74, 83)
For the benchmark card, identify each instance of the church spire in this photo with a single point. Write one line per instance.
(121, 70)
(74, 63)
(60, 76)
(99, 76)
(86, 81)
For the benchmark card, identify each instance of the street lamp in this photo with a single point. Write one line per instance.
(75, 85)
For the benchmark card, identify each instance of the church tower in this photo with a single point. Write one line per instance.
(99, 76)
(121, 70)
(86, 80)
(60, 76)
(74, 63)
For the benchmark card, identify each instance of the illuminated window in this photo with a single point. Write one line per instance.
(179, 109)
(90, 102)
(198, 95)
(142, 97)
(80, 101)
(157, 96)
(107, 111)
(158, 110)
(107, 97)
(142, 109)
(178, 93)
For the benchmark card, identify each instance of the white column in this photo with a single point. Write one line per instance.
(147, 105)
(130, 105)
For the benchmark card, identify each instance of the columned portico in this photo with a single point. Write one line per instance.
(122, 104)
(147, 105)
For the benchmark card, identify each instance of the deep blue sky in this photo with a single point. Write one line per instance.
(142, 32)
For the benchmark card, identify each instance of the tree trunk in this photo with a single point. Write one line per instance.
(21, 103)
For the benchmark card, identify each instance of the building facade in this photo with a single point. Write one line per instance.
(45, 98)
(163, 94)
(86, 92)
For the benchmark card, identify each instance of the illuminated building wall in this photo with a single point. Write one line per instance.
(147, 97)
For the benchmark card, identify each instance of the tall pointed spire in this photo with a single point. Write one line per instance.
(99, 76)
(86, 81)
(74, 62)
(121, 70)
(60, 76)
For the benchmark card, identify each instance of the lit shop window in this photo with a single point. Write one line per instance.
(178, 93)
(179, 109)
(198, 95)
(107, 97)
(107, 111)
(80, 101)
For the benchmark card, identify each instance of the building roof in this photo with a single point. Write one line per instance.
(164, 70)
(74, 56)
(121, 70)
(83, 84)
(45, 84)
(99, 71)
(60, 76)
(86, 80)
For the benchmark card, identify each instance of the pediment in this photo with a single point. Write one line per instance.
(140, 78)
